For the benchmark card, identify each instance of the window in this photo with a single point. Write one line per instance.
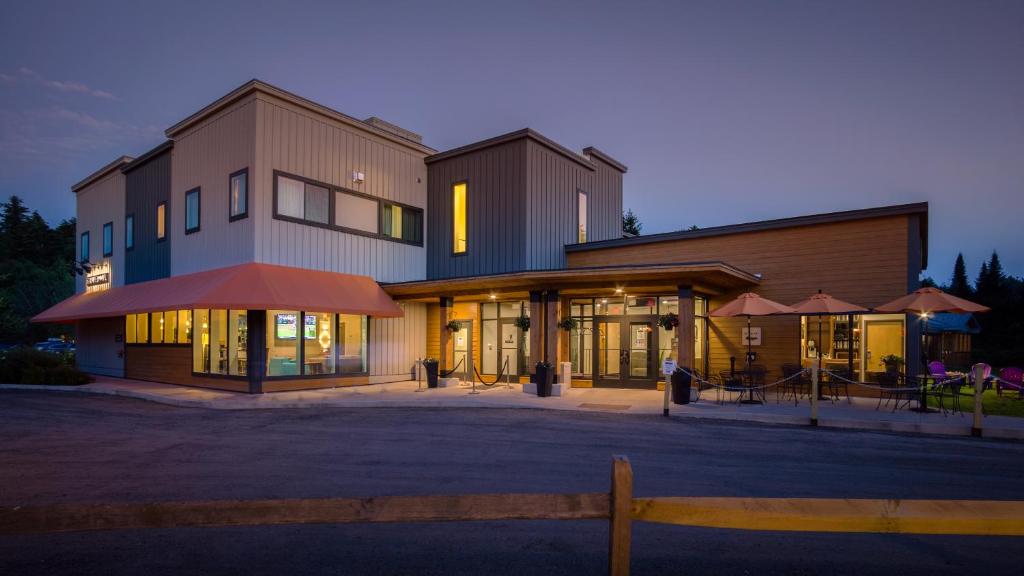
(402, 222)
(351, 344)
(459, 218)
(318, 204)
(303, 201)
(83, 249)
(318, 343)
(169, 327)
(161, 220)
(283, 342)
(108, 239)
(192, 211)
(581, 217)
(238, 195)
(129, 232)
(355, 212)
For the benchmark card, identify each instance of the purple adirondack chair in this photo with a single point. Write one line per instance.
(937, 369)
(1012, 379)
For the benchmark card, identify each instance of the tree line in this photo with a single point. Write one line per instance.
(37, 270)
(1001, 341)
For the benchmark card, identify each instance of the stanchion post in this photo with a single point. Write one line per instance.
(814, 394)
(620, 530)
(664, 407)
(979, 387)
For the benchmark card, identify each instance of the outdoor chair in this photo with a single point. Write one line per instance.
(756, 379)
(838, 379)
(730, 382)
(1011, 379)
(892, 389)
(797, 387)
(937, 369)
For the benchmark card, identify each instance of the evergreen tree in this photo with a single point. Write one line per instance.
(959, 285)
(927, 282)
(631, 225)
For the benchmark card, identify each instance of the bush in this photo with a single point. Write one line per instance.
(31, 366)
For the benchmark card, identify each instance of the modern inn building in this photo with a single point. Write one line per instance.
(272, 243)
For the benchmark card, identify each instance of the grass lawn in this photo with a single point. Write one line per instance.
(1010, 404)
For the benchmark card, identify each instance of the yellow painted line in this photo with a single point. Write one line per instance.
(968, 517)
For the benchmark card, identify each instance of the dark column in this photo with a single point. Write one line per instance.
(551, 329)
(684, 332)
(914, 358)
(444, 310)
(536, 331)
(256, 349)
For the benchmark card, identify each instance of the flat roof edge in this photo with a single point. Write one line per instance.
(91, 178)
(591, 151)
(761, 225)
(147, 156)
(527, 133)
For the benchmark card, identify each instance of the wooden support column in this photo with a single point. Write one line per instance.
(620, 530)
(551, 329)
(536, 331)
(445, 336)
(256, 349)
(684, 332)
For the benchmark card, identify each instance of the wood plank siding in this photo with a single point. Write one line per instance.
(147, 185)
(297, 141)
(868, 262)
(172, 365)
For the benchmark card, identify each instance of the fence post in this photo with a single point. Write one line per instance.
(979, 387)
(814, 394)
(620, 528)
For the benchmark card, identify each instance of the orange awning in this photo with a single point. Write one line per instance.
(243, 287)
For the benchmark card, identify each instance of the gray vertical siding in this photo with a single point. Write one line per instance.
(97, 204)
(396, 343)
(146, 186)
(495, 212)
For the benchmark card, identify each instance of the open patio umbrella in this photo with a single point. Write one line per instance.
(925, 302)
(749, 304)
(822, 304)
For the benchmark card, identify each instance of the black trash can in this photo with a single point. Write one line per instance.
(431, 368)
(545, 377)
(681, 382)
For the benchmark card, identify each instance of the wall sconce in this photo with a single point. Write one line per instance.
(358, 177)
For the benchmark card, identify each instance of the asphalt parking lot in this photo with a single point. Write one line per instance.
(79, 448)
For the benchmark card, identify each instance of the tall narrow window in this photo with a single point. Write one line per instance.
(238, 195)
(83, 249)
(459, 218)
(581, 217)
(192, 211)
(108, 239)
(129, 232)
(161, 220)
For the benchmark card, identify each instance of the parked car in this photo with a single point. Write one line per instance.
(55, 345)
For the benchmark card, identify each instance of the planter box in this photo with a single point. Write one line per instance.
(556, 389)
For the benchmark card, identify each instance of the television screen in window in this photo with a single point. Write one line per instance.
(310, 331)
(284, 326)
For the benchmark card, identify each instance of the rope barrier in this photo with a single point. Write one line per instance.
(937, 385)
(453, 370)
(504, 366)
(739, 378)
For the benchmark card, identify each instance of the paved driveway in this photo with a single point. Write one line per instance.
(80, 448)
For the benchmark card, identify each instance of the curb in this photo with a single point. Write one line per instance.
(255, 403)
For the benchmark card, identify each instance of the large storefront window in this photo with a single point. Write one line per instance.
(315, 343)
(283, 342)
(581, 342)
(504, 345)
(318, 343)
(220, 343)
(861, 343)
(352, 331)
(170, 327)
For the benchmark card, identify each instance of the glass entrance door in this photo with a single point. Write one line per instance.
(625, 358)
(509, 358)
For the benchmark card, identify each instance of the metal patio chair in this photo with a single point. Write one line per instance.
(797, 387)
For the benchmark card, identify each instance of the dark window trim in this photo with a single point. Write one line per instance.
(232, 218)
(103, 239)
(160, 238)
(129, 219)
(199, 209)
(451, 230)
(383, 205)
(585, 194)
(87, 244)
(330, 225)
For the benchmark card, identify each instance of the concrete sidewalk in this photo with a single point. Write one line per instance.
(860, 414)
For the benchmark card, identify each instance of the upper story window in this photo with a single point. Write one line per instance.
(309, 202)
(129, 232)
(83, 247)
(192, 211)
(108, 239)
(581, 217)
(238, 195)
(459, 218)
(161, 220)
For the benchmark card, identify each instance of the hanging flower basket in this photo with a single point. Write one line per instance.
(668, 321)
(454, 326)
(523, 322)
(567, 324)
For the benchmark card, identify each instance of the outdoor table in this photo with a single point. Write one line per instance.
(746, 379)
(923, 401)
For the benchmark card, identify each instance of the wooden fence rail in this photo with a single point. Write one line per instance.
(618, 507)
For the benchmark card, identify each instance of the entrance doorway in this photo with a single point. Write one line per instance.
(881, 338)
(625, 346)
(462, 350)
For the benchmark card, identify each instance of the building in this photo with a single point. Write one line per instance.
(272, 243)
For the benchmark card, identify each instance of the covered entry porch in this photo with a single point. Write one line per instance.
(602, 320)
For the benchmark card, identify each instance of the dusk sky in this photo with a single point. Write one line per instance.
(724, 112)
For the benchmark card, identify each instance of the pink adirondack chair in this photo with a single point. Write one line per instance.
(937, 369)
(1012, 379)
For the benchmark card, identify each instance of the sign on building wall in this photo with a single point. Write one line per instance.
(753, 337)
(98, 277)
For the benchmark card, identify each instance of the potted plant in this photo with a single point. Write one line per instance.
(567, 324)
(454, 325)
(523, 322)
(668, 321)
(545, 378)
(681, 382)
(892, 363)
(430, 365)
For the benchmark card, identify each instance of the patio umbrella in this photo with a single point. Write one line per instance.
(749, 304)
(924, 302)
(822, 304)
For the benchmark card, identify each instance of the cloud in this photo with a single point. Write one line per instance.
(29, 76)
